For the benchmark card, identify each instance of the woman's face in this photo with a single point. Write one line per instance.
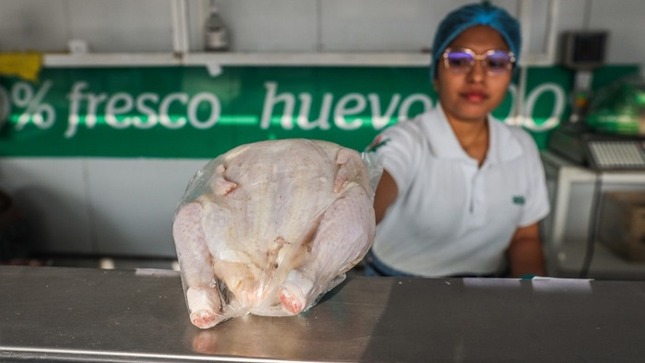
(471, 95)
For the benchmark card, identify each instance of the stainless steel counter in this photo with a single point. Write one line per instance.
(67, 314)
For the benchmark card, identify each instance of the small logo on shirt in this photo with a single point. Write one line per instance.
(518, 199)
(377, 143)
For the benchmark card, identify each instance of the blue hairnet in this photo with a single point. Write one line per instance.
(471, 15)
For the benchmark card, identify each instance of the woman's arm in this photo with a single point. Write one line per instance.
(525, 252)
(385, 195)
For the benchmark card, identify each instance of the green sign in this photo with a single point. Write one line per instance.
(183, 112)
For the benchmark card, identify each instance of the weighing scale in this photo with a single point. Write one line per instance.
(584, 51)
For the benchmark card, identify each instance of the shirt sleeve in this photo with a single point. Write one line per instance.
(396, 148)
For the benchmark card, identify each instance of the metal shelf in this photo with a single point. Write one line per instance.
(239, 59)
(364, 59)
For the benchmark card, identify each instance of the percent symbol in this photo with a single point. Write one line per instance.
(41, 114)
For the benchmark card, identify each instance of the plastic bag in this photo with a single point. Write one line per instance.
(619, 108)
(268, 228)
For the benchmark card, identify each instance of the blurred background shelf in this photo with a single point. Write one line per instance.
(239, 59)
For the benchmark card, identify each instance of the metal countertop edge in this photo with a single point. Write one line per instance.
(79, 355)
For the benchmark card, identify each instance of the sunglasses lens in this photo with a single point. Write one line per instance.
(498, 61)
(459, 61)
(462, 61)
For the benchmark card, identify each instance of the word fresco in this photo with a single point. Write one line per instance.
(183, 112)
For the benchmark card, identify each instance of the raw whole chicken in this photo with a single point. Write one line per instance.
(269, 227)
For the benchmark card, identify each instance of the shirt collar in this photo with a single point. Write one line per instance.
(504, 145)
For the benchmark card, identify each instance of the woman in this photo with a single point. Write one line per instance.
(462, 193)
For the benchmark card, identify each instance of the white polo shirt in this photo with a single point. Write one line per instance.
(452, 217)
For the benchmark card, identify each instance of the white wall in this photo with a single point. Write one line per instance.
(297, 25)
(124, 206)
(99, 206)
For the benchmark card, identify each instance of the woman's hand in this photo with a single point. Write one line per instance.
(525, 254)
